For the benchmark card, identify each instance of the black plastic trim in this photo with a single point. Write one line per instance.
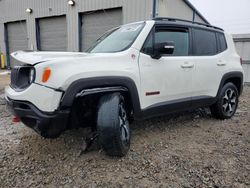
(174, 106)
(48, 125)
(234, 74)
(203, 101)
(100, 82)
(186, 21)
(165, 108)
(151, 111)
(186, 24)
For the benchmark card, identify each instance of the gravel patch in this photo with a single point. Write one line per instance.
(190, 149)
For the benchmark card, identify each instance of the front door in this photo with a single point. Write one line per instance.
(166, 81)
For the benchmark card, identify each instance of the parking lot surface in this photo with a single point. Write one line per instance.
(189, 149)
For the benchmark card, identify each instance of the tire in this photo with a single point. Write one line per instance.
(113, 125)
(227, 102)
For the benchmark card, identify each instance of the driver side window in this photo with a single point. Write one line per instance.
(180, 38)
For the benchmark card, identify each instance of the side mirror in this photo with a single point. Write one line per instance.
(164, 48)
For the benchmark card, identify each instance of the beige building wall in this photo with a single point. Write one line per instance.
(242, 44)
(132, 10)
(177, 9)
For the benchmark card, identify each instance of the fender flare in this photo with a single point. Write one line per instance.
(234, 74)
(102, 84)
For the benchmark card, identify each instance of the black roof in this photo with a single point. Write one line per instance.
(186, 22)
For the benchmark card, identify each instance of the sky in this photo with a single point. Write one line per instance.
(232, 15)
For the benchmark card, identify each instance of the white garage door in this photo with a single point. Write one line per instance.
(52, 34)
(94, 24)
(16, 33)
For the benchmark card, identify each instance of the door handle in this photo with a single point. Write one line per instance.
(221, 63)
(187, 65)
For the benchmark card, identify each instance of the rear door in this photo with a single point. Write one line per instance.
(167, 80)
(209, 63)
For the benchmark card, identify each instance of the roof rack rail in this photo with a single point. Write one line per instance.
(181, 20)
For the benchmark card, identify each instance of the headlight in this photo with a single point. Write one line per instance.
(22, 77)
(32, 75)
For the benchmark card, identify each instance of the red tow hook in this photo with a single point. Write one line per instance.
(15, 119)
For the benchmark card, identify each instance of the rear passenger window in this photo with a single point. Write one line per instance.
(222, 42)
(204, 43)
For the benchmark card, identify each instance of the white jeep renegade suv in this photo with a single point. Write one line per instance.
(135, 71)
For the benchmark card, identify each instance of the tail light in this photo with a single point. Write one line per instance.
(241, 61)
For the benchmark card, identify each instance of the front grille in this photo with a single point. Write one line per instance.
(14, 77)
(20, 77)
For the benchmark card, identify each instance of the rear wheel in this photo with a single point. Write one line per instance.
(113, 125)
(227, 103)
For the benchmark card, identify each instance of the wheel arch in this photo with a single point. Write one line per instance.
(235, 77)
(89, 86)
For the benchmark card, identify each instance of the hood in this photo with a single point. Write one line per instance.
(35, 57)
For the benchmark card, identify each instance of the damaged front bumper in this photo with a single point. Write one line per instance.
(48, 125)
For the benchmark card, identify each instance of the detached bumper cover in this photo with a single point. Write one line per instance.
(48, 125)
(44, 98)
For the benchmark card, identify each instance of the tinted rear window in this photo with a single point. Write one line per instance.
(204, 42)
(222, 42)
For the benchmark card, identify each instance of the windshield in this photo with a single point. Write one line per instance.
(118, 39)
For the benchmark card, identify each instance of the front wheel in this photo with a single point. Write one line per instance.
(227, 103)
(113, 125)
